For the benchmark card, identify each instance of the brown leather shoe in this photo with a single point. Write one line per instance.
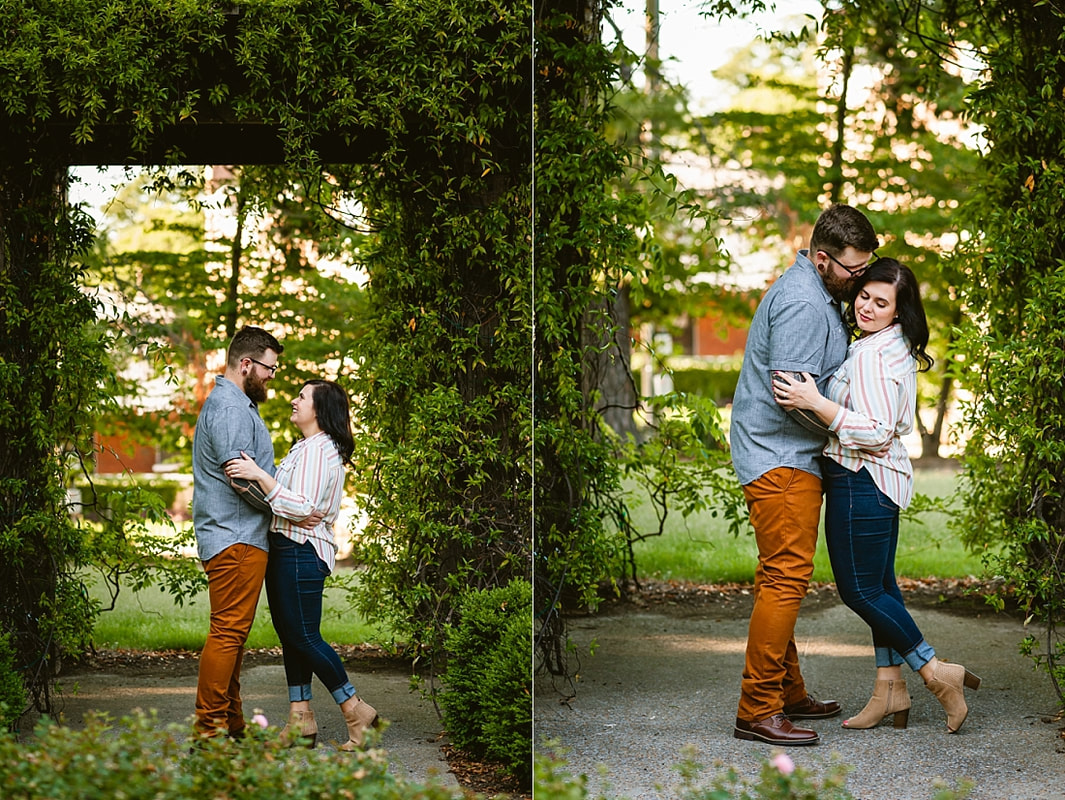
(809, 708)
(776, 729)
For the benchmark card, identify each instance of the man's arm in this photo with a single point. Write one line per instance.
(805, 417)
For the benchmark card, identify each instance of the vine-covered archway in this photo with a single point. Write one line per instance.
(425, 110)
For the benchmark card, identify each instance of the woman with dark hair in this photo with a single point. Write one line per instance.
(309, 478)
(870, 405)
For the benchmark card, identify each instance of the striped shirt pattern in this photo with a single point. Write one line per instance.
(310, 477)
(876, 388)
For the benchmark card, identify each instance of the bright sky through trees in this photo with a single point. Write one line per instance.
(691, 46)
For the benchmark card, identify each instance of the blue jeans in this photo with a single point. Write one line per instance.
(295, 580)
(862, 533)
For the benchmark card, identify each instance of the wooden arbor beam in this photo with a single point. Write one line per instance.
(204, 143)
(215, 136)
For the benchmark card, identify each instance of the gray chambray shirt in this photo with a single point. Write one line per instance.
(796, 328)
(229, 423)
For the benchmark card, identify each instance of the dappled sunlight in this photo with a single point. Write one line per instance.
(822, 647)
(661, 645)
(108, 692)
(737, 645)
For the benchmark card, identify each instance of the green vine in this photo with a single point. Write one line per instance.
(421, 112)
(1014, 292)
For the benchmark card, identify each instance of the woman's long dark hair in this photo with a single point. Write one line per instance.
(908, 307)
(334, 415)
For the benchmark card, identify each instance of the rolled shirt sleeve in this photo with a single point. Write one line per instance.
(309, 478)
(876, 388)
(868, 421)
(306, 486)
(234, 431)
(795, 345)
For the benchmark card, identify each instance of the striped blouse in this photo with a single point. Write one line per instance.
(876, 388)
(310, 477)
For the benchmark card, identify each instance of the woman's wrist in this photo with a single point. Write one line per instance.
(825, 409)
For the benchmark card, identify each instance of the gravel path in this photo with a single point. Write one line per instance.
(660, 680)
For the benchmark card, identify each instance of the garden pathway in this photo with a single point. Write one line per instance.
(666, 676)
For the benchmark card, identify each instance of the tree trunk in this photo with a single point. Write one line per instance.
(932, 440)
(236, 253)
(836, 170)
(31, 497)
(607, 351)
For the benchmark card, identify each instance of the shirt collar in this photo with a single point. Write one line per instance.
(227, 386)
(892, 331)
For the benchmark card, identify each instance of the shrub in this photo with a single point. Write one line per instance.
(104, 493)
(778, 779)
(715, 380)
(139, 759)
(487, 701)
(12, 690)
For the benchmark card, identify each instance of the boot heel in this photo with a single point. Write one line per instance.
(946, 683)
(301, 730)
(359, 718)
(889, 698)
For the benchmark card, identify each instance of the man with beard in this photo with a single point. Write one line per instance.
(231, 533)
(797, 328)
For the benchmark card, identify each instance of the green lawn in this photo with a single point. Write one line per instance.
(698, 549)
(701, 550)
(149, 620)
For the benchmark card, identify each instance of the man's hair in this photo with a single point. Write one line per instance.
(840, 227)
(251, 342)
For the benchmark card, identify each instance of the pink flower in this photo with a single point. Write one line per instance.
(260, 720)
(783, 763)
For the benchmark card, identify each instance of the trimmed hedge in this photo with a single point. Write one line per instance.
(12, 691)
(487, 703)
(713, 381)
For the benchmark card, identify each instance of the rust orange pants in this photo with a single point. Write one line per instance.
(785, 509)
(234, 582)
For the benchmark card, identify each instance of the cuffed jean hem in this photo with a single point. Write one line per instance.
(916, 658)
(345, 692)
(920, 655)
(299, 694)
(888, 657)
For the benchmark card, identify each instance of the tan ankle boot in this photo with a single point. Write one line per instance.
(359, 718)
(947, 684)
(301, 730)
(889, 697)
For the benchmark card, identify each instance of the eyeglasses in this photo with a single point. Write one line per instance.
(854, 272)
(273, 369)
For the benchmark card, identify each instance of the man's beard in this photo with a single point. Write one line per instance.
(839, 288)
(254, 388)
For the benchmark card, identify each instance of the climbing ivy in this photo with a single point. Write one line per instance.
(1013, 336)
(422, 112)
